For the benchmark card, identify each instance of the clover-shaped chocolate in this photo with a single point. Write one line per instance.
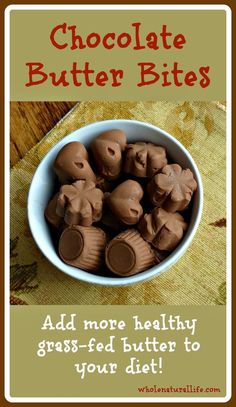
(124, 202)
(162, 229)
(172, 188)
(107, 151)
(144, 159)
(72, 164)
(80, 203)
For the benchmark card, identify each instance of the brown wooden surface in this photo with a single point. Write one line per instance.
(29, 123)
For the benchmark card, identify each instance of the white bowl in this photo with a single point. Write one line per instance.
(43, 182)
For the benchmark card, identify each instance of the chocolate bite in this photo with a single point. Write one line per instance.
(105, 194)
(128, 254)
(50, 212)
(124, 202)
(80, 203)
(72, 164)
(82, 247)
(144, 159)
(164, 230)
(107, 152)
(172, 188)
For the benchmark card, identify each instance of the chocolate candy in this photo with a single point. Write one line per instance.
(72, 164)
(128, 254)
(82, 247)
(50, 213)
(124, 202)
(80, 203)
(144, 159)
(117, 203)
(107, 151)
(172, 188)
(162, 229)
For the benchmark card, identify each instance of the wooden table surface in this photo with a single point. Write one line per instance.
(29, 123)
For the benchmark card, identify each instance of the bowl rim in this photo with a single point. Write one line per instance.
(154, 271)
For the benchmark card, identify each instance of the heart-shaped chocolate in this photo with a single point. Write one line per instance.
(107, 151)
(124, 202)
(71, 164)
(144, 159)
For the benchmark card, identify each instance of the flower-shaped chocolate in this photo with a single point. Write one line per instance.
(107, 151)
(124, 202)
(128, 254)
(172, 188)
(144, 159)
(80, 203)
(72, 164)
(162, 229)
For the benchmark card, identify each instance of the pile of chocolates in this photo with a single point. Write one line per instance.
(117, 208)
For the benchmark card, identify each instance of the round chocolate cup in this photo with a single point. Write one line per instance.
(128, 254)
(82, 247)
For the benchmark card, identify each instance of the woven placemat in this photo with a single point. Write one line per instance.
(198, 277)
